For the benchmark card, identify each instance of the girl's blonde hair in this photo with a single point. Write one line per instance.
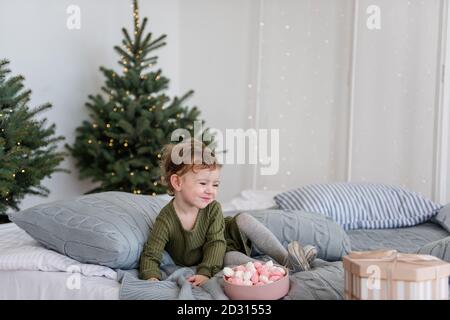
(184, 156)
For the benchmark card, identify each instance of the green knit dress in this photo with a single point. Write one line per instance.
(204, 246)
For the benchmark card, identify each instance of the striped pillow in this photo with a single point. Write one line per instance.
(361, 205)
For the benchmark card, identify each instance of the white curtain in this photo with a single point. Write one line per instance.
(305, 55)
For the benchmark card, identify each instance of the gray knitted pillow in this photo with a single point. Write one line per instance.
(330, 238)
(108, 228)
(438, 248)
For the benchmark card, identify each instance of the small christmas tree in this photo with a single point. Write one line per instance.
(27, 147)
(120, 147)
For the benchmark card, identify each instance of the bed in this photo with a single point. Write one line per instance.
(44, 277)
(39, 279)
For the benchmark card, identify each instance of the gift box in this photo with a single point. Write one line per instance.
(390, 275)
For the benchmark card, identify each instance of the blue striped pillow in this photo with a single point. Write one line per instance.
(361, 205)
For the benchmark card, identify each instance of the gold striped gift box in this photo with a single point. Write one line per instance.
(389, 275)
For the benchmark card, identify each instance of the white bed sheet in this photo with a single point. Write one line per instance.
(41, 285)
(251, 200)
(30, 271)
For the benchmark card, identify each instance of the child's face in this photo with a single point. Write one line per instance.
(199, 188)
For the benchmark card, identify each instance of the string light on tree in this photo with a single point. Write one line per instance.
(132, 124)
(32, 139)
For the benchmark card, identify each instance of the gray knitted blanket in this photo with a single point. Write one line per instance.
(323, 282)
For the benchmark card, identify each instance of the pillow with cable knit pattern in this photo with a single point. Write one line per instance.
(107, 228)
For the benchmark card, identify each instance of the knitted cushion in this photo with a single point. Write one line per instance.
(108, 228)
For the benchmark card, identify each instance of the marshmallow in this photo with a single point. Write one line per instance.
(248, 283)
(247, 275)
(239, 268)
(249, 265)
(255, 278)
(276, 273)
(254, 273)
(281, 270)
(237, 281)
(228, 272)
(239, 274)
(274, 278)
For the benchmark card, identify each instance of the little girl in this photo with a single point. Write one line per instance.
(192, 229)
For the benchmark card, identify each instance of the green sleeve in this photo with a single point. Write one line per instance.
(153, 250)
(215, 245)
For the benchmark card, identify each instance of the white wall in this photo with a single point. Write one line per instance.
(395, 91)
(61, 66)
(299, 57)
(217, 40)
(306, 47)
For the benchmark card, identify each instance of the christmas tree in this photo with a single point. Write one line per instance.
(120, 146)
(27, 146)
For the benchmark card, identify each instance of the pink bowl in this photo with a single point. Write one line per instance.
(270, 291)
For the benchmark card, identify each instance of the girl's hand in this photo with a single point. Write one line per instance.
(153, 279)
(198, 279)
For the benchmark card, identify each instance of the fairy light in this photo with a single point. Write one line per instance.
(108, 125)
(131, 173)
(146, 167)
(23, 171)
(89, 141)
(136, 16)
(94, 125)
